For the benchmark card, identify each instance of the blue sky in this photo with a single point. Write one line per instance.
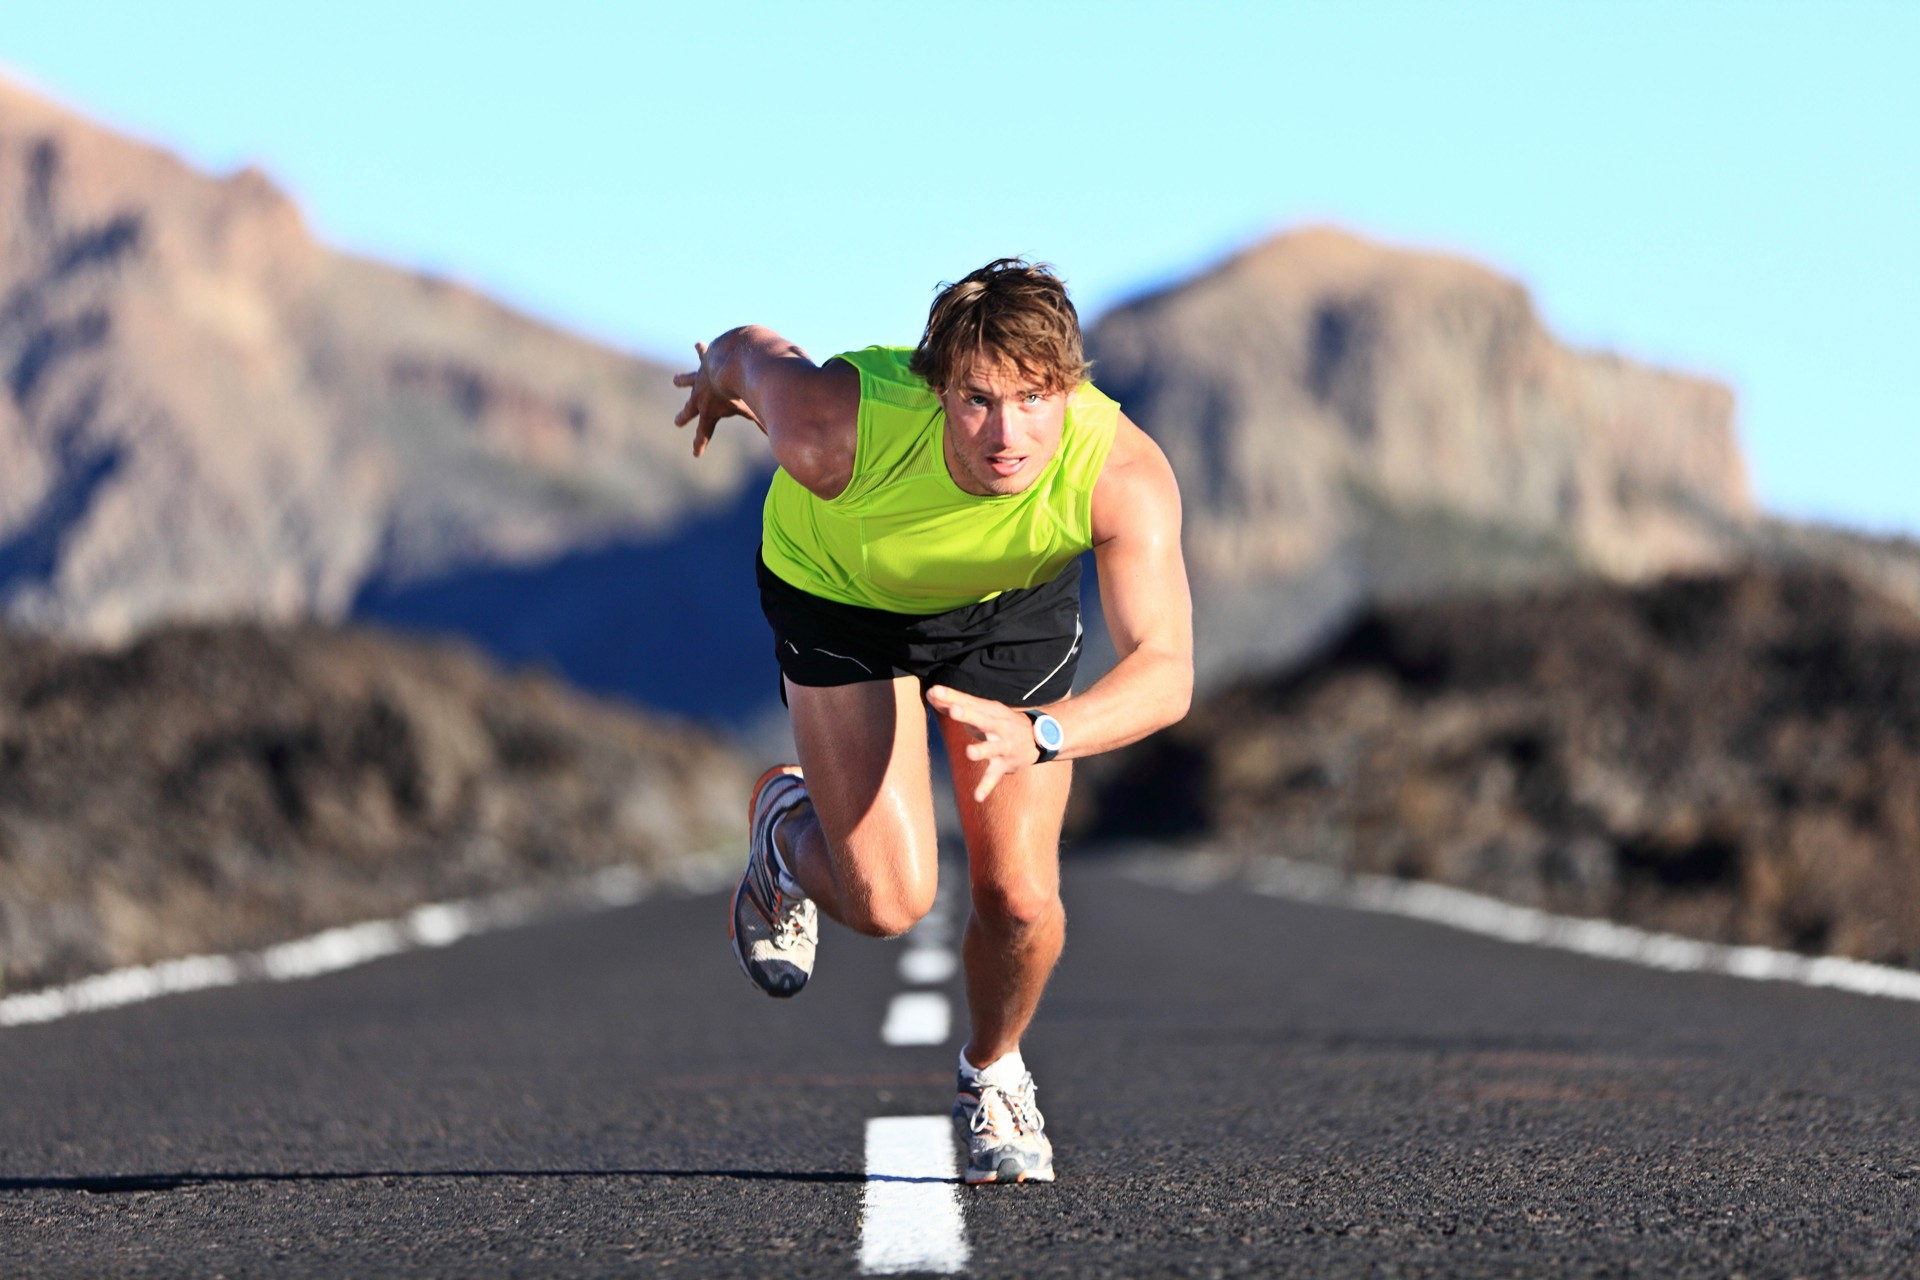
(1732, 188)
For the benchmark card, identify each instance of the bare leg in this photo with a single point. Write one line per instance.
(865, 850)
(1018, 925)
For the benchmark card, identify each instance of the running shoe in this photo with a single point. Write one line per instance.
(773, 935)
(1006, 1136)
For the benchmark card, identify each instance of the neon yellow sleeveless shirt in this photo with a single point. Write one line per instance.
(903, 536)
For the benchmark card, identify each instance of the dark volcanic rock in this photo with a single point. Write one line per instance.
(221, 788)
(1734, 757)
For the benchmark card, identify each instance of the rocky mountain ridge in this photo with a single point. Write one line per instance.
(206, 414)
(1350, 421)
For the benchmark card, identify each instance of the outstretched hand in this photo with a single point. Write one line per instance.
(1002, 737)
(708, 405)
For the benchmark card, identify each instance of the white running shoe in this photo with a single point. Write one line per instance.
(774, 935)
(1006, 1136)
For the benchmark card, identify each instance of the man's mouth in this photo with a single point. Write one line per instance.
(1006, 466)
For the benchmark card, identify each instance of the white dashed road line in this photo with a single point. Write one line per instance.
(925, 1017)
(918, 1017)
(910, 1218)
(927, 966)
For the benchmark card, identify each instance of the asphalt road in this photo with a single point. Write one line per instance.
(1235, 1085)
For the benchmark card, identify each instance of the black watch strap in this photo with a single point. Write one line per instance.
(1043, 752)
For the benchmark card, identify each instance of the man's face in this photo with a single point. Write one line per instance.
(1002, 429)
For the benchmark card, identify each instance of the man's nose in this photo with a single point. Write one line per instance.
(999, 425)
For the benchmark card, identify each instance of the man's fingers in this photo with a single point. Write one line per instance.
(958, 712)
(952, 701)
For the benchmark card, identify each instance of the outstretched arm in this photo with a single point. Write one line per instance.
(1143, 588)
(810, 413)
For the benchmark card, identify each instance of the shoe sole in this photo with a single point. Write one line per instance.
(977, 1178)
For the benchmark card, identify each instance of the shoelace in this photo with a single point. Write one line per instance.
(1021, 1109)
(789, 924)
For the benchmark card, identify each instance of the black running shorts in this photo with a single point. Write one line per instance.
(1021, 647)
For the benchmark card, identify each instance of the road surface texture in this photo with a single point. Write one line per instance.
(1236, 1086)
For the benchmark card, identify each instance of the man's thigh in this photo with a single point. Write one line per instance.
(863, 748)
(1013, 836)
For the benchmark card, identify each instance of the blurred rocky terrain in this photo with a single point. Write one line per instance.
(211, 788)
(1735, 757)
(217, 434)
(206, 414)
(1350, 421)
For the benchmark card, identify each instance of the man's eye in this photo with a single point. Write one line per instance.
(1034, 397)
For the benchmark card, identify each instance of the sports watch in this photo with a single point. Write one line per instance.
(1047, 734)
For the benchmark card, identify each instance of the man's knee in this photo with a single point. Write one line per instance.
(1016, 903)
(886, 914)
(890, 901)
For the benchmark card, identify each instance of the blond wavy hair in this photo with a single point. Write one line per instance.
(1010, 310)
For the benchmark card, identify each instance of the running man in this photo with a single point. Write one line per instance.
(920, 548)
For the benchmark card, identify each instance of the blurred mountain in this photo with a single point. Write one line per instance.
(1350, 421)
(213, 788)
(1733, 757)
(205, 414)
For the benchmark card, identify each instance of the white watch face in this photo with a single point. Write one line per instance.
(1046, 732)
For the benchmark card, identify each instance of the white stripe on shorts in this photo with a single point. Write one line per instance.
(1071, 650)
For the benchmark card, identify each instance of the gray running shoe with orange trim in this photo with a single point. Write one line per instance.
(774, 935)
(1006, 1135)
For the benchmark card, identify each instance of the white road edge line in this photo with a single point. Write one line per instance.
(437, 924)
(1492, 918)
(910, 1217)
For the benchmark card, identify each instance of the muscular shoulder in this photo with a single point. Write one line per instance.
(818, 431)
(1136, 496)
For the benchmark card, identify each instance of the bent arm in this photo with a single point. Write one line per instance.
(810, 413)
(1143, 587)
(1148, 606)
